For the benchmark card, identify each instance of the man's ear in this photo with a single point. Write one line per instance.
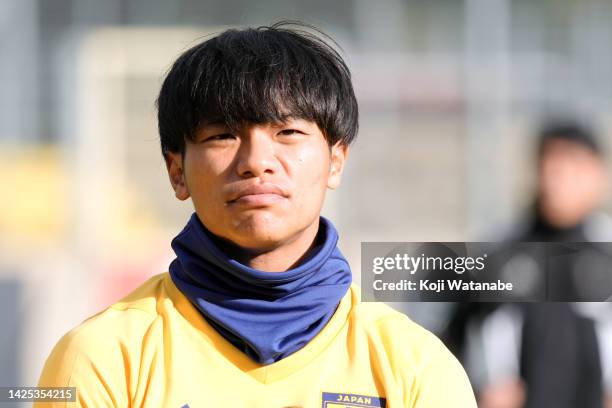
(176, 172)
(339, 153)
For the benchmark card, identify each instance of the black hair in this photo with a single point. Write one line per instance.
(258, 75)
(570, 131)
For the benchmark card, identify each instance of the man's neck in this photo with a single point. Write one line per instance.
(281, 257)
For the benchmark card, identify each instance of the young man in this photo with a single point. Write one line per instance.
(258, 309)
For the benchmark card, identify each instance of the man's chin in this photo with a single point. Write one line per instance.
(261, 230)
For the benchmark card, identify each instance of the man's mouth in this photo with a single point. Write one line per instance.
(258, 195)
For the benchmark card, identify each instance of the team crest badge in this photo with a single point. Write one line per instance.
(333, 400)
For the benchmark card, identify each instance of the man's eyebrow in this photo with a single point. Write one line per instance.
(213, 122)
(289, 118)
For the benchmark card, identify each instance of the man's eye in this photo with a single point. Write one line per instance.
(289, 132)
(223, 136)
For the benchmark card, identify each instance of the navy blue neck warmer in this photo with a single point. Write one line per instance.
(267, 315)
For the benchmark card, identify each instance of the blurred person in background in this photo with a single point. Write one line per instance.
(258, 309)
(570, 189)
(548, 354)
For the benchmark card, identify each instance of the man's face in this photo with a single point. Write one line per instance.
(260, 186)
(571, 182)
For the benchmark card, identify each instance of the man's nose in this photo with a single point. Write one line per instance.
(256, 155)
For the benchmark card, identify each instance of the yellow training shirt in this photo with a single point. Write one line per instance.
(154, 349)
